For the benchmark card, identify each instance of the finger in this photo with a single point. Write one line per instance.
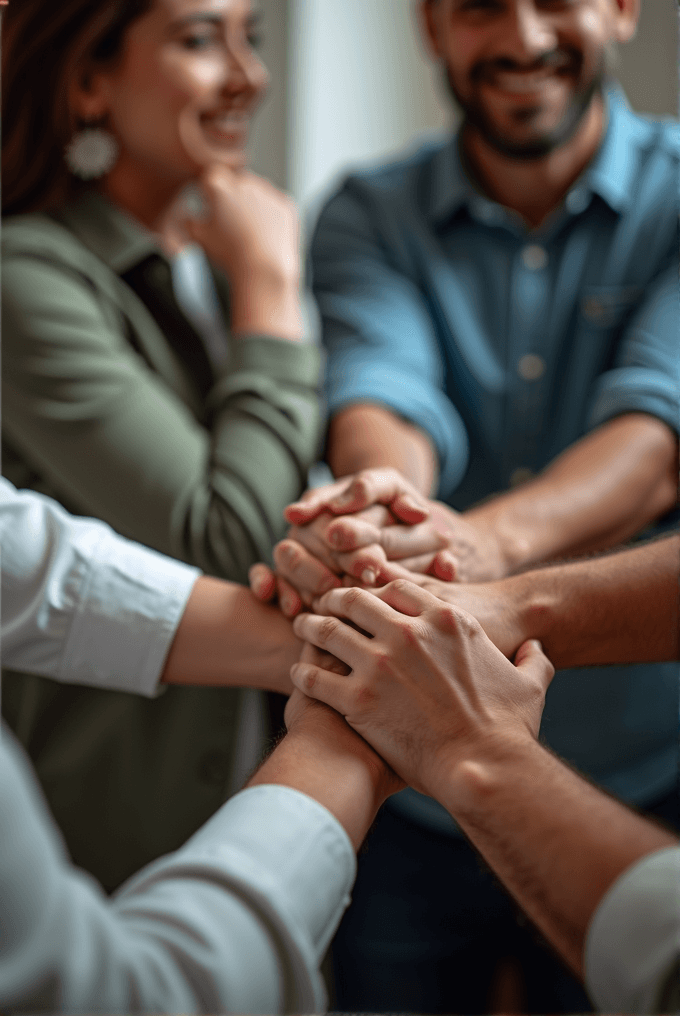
(290, 601)
(410, 541)
(319, 658)
(365, 564)
(417, 565)
(320, 684)
(262, 582)
(315, 501)
(302, 570)
(444, 566)
(533, 662)
(351, 532)
(383, 487)
(332, 635)
(407, 598)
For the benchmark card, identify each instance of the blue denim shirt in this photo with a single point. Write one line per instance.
(506, 345)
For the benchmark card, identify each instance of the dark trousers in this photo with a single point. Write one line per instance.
(429, 925)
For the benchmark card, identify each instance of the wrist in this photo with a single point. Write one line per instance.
(512, 542)
(472, 774)
(270, 306)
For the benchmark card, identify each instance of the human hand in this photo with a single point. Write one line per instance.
(426, 688)
(311, 718)
(251, 229)
(498, 606)
(436, 540)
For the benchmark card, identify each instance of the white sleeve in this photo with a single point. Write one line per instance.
(80, 603)
(236, 921)
(632, 953)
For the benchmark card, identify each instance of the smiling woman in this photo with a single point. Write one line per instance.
(187, 433)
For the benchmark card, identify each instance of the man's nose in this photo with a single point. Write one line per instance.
(531, 32)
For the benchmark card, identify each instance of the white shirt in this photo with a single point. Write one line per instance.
(235, 921)
(632, 954)
(80, 603)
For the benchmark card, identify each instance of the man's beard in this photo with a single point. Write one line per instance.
(542, 143)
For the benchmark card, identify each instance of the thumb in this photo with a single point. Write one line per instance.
(533, 662)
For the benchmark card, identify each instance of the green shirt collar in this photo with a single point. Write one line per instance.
(110, 233)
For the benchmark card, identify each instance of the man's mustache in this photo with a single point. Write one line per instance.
(561, 59)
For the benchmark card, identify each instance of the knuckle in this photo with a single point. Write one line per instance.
(352, 595)
(328, 626)
(399, 585)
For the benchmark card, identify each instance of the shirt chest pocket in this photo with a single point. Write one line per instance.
(606, 309)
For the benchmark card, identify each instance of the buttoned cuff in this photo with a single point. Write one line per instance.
(632, 951)
(128, 610)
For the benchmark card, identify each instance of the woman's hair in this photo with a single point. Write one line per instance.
(45, 42)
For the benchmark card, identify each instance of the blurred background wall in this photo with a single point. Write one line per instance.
(351, 84)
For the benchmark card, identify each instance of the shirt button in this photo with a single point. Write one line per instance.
(593, 308)
(520, 475)
(214, 767)
(531, 367)
(534, 257)
(577, 201)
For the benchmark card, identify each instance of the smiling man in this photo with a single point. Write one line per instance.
(500, 314)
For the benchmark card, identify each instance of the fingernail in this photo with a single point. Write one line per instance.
(287, 604)
(368, 576)
(342, 499)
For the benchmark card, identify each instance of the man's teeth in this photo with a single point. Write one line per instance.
(521, 82)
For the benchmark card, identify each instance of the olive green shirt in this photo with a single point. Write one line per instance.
(100, 412)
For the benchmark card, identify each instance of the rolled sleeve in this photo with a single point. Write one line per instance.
(646, 375)
(80, 603)
(379, 333)
(632, 952)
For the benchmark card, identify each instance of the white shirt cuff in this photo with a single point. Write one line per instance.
(633, 944)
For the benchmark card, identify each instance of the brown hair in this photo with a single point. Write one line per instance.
(44, 41)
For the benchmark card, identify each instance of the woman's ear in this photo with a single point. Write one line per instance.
(88, 95)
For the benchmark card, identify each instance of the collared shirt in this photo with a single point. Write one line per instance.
(111, 405)
(506, 345)
(81, 604)
(632, 952)
(237, 920)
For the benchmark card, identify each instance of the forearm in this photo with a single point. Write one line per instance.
(338, 771)
(556, 842)
(601, 491)
(622, 608)
(366, 436)
(226, 637)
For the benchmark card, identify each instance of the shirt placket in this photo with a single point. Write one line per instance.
(526, 365)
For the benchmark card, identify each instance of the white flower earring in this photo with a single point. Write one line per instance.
(91, 153)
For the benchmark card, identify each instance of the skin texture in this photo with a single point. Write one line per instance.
(184, 64)
(227, 638)
(458, 721)
(322, 756)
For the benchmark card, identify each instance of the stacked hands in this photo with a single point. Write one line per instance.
(397, 638)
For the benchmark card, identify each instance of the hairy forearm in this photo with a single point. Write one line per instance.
(337, 770)
(601, 491)
(622, 608)
(556, 842)
(367, 436)
(227, 637)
